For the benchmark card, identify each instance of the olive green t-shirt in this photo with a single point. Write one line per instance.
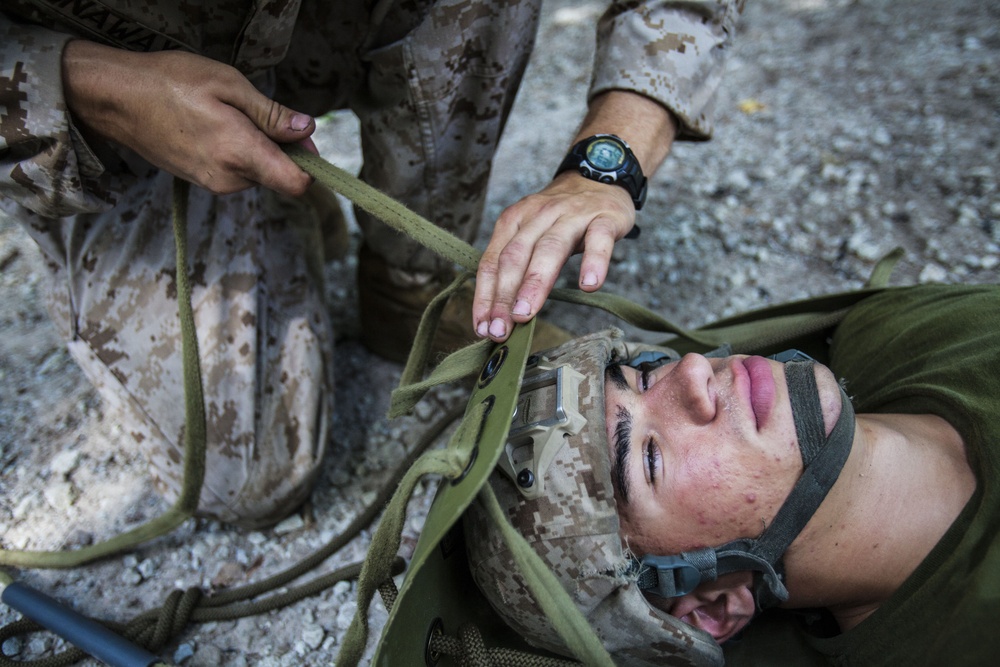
(927, 349)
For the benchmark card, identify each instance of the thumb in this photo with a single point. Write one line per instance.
(281, 124)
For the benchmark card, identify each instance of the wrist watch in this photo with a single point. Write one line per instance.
(606, 158)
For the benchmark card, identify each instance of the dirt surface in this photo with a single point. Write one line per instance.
(845, 129)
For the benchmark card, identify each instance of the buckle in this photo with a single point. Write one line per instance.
(547, 411)
(667, 576)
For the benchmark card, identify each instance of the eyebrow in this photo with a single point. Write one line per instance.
(623, 445)
(622, 436)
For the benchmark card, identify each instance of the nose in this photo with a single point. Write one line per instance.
(693, 380)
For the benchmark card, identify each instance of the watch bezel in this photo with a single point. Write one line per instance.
(628, 174)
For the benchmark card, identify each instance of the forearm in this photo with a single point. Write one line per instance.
(646, 125)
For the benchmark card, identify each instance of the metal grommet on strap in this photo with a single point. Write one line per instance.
(473, 455)
(493, 365)
(431, 657)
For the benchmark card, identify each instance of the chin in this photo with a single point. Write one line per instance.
(830, 396)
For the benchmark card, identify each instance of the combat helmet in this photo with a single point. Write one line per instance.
(554, 484)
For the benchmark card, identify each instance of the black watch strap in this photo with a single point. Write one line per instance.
(606, 158)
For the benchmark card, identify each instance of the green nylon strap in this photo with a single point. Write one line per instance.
(194, 432)
(449, 463)
(558, 606)
(420, 351)
(386, 209)
(456, 366)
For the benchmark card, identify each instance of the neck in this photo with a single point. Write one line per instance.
(904, 483)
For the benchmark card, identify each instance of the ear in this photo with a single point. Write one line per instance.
(721, 608)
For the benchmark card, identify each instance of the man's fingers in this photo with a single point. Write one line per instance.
(264, 161)
(532, 286)
(599, 243)
(273, 169)
(502, 267)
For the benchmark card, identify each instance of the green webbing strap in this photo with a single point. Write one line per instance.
(558, 606)
(450, 462)
(884, 268)
(420, 351)
(194, 432)
(456, 366)
(386, 209)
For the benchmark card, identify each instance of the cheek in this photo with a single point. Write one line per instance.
(725, 498)
(710, 500)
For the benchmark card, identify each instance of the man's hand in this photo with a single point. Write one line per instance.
(192, 116)
(533, 239)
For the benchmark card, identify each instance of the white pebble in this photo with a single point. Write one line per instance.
(60, 495)
(933, 273)
(346, 614)
(65, 462)
(184, 652)
(289, 525)
(313, 635)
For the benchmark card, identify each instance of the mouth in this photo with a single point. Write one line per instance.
(761, 388)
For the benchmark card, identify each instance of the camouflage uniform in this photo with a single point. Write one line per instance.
(432, 83)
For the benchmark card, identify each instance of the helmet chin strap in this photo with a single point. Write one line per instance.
(823, 459)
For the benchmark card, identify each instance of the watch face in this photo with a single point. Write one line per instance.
(606, 154)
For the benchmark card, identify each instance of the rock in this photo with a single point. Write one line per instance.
(290, 525)
(346, 614)
(228, 575)
(12, 646)
(60, 495)
(738, 181)
(39, 645)
(208, 655)
(146, 568)
(64, 462)
(933, 273)
(313, 635)
(130, 577)
(184, 652)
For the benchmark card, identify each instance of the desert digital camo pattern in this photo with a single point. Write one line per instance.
(432, 83)
(574, 528)
(263, 331)
(673, 52)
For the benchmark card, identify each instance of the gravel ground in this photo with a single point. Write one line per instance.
(845, 129)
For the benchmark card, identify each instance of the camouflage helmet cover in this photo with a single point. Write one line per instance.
(574, 527)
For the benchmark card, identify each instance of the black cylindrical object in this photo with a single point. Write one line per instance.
(80, 631)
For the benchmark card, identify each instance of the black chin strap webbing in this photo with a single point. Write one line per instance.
(822, 458)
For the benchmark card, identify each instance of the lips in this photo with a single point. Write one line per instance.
(761, 388)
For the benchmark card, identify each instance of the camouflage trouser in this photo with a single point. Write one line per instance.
(432, 90)
(432, 94)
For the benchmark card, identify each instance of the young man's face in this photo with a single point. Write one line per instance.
(703, 450)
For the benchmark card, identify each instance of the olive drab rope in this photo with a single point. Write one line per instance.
(157, 626)
(468, 648)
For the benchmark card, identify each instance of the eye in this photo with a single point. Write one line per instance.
(643, 378)
(651, 460)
